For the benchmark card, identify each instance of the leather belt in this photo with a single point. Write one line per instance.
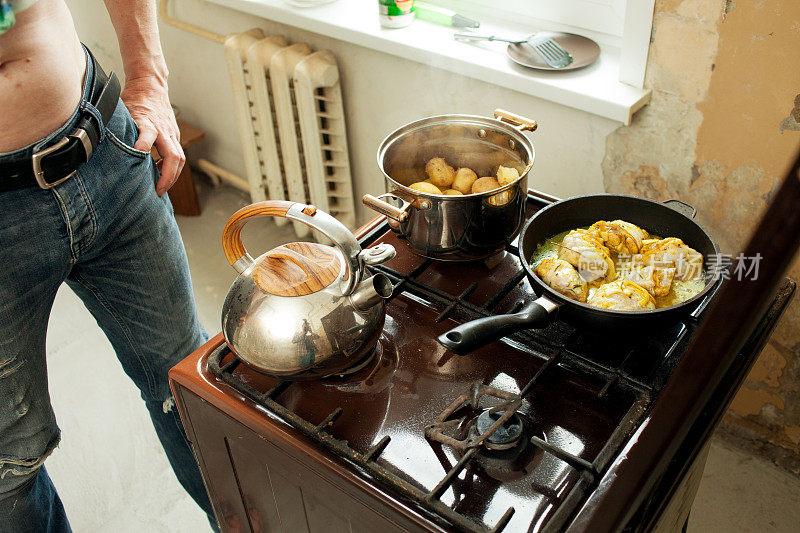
(52, 165)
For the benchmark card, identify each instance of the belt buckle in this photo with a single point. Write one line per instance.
(36, 157)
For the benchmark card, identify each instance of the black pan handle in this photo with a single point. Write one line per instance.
(686, 209)
(470, 336)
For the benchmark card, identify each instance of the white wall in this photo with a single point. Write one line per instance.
(381, 93)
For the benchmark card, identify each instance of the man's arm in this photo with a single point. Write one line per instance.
(145, 93)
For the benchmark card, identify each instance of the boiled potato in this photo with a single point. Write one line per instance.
(424, 186)
(465, 177)
(506, 175)
(485, 184)
(439, 172)
(405, 175)
(453, 192)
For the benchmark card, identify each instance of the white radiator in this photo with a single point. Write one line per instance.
(289, 109)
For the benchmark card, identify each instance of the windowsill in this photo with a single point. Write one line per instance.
(594, 89)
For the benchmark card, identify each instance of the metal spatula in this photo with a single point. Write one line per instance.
(549, 50)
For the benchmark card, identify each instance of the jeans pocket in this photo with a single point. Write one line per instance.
(122, 131)
(125, 147)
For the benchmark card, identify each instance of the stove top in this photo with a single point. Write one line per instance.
(511, 437)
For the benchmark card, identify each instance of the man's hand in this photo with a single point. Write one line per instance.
(148, 102)
(145, 93)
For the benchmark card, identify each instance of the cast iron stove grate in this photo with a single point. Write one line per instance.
(429, 501)
(637, 373)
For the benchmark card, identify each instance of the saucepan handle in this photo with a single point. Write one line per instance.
(686, 209)
(309, 215)
(377, 203)
(470, 336)
(518, 121)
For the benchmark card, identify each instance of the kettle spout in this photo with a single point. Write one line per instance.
(371, 291)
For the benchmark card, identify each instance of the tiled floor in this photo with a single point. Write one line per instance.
(112, 475)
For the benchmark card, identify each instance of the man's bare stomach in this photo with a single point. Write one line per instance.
(41, 74)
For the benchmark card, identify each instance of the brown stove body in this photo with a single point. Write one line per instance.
(351, 453)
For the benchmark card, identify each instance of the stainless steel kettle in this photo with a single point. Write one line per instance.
(303, 310)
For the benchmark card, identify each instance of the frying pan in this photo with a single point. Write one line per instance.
(581, 211)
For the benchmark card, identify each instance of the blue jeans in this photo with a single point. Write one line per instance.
(107, 234)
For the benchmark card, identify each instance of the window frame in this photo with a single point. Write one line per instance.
(595, 90)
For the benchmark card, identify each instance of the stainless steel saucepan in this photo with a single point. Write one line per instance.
(456, 228)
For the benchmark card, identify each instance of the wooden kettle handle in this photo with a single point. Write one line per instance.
(232, 234)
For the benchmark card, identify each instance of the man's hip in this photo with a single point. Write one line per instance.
(47, 164)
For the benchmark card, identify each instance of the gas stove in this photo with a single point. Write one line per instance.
(513, 437)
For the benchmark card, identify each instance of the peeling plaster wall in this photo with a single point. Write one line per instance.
(723, 122)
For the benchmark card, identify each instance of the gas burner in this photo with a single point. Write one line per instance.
(507, 454)
(494, 418)
(498, 438)
(369, 374)
(505, 436)
(360, 365)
